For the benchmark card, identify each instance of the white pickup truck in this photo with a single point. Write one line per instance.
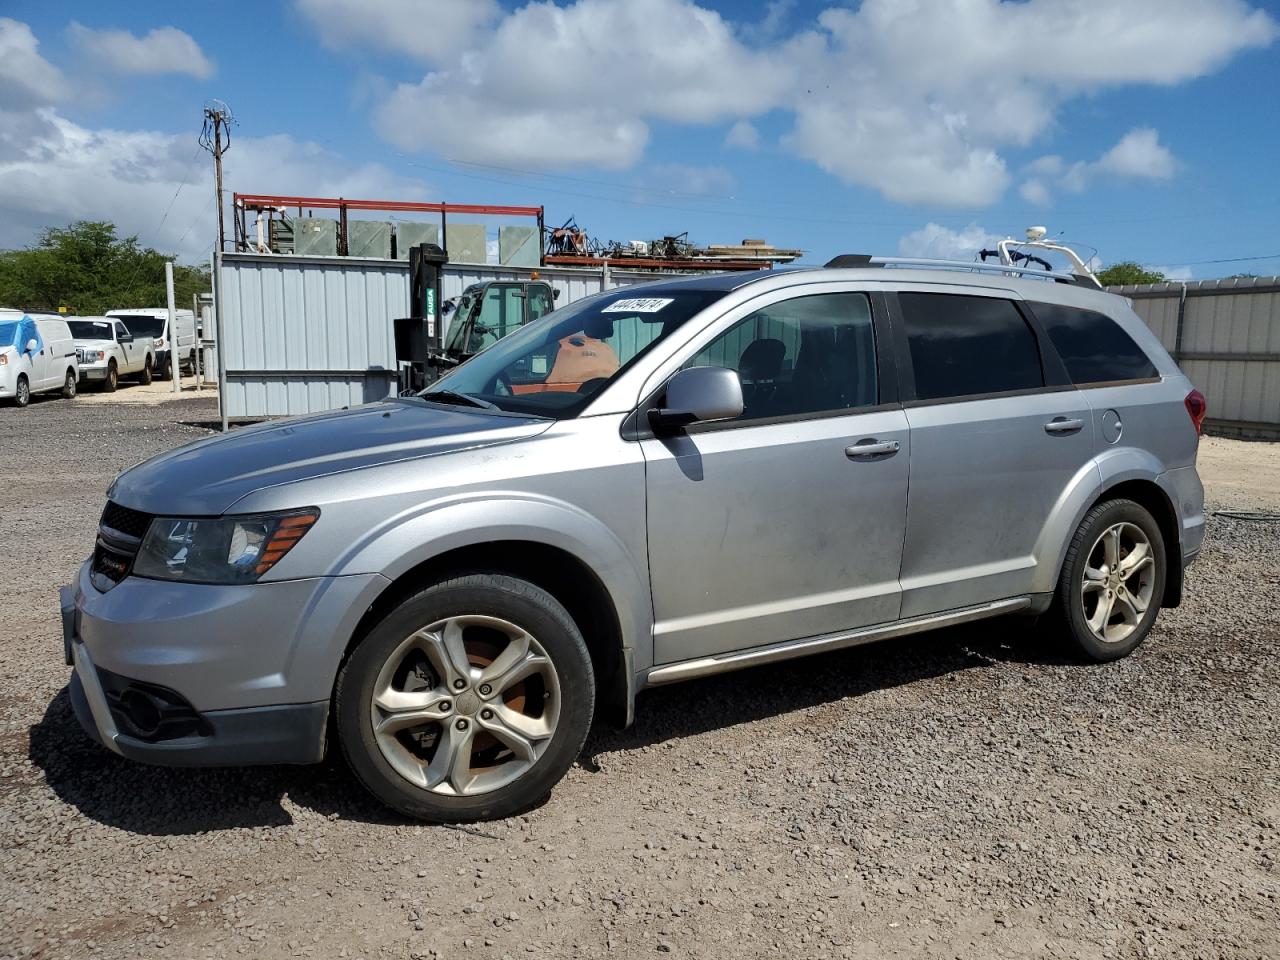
(107, 351)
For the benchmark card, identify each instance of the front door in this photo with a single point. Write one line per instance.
(788, 521)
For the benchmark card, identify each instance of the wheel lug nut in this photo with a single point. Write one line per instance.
(461, 724)
(485, 689)
(459, 684)
(446, 705)
(486, 714)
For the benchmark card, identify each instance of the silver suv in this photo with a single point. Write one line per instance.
(645, 486)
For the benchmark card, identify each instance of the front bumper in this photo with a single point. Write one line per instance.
(96, 371)
(244, 672)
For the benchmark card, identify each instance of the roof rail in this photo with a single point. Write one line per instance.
(867, 260)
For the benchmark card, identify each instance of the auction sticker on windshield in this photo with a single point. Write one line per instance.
(638, 305)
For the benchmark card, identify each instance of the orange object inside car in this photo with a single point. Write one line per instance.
(580, 359)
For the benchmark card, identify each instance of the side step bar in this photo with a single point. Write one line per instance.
(705, 666)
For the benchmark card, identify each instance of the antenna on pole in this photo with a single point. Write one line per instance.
(218, 119)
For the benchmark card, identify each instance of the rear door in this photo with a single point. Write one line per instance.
(777, 525)
(998, 433)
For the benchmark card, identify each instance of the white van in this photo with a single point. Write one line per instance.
(154, 322)
(37, 355)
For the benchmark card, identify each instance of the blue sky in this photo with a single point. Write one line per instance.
(1144, 128)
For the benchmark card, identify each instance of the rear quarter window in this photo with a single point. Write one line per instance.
(1094, 348)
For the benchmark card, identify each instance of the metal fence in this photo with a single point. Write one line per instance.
(305, 334)
(1225, 334)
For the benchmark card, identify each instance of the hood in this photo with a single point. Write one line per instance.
(207, 477)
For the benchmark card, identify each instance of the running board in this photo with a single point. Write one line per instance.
(705, 666)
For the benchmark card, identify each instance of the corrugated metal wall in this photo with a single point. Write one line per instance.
(1225, 334)
(305, 334)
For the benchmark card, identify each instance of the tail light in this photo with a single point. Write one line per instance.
(1197, 409)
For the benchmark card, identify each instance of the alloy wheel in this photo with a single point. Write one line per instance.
(1119, 578)
(23, 396)
(465, 705)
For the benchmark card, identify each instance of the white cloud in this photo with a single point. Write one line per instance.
(918, 99)
(26, 79)
(57, 171)
(1034, 191)
(743, 135)
(427, 32)
(576, 86)
(686, 179)
(162, 50)
(1176, 274)
(942, 243)
(1139, 155)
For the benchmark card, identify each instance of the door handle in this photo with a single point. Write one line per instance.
(1063, 425)
(871, 448)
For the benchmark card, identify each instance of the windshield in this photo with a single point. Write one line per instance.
(9, 333)
(141, 325)
(90, 329)
(553, 366)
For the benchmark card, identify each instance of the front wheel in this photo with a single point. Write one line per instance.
(469, 701)
(21, 391)
(165, 367)
(112, 379)
(69, 386)
(1112, 581)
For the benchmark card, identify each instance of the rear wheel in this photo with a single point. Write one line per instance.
(1112, 582)
(69, 386)
(22, 391)
(469, 701)
(144, 377)
(112, 379)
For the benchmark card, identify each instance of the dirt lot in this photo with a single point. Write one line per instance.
(962, 794)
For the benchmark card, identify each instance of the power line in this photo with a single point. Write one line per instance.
(1197, 263)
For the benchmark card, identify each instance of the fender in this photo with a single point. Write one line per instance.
(427, 530)
(1107, 470)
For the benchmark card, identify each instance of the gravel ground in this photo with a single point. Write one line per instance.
(962, 794)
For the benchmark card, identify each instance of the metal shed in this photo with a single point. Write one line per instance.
(304, 334)
(1225, 334)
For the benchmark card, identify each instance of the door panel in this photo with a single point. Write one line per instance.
(985, 477)
(785, 523)
(769, 533)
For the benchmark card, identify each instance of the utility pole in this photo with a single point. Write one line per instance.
(217, 123)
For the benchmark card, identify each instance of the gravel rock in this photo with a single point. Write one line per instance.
(966, 793)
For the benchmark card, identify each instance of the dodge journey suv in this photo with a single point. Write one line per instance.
(742, 469)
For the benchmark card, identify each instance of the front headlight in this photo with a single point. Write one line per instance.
(226, 550)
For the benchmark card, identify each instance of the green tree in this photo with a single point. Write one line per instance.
(87, 269)
(1127, 271)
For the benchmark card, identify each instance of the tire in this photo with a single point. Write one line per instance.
(69, 386)
(22, 391)
(165, 369)
(481, 612)
(112, 379)
(191, 363)
(1131, 594)
(144, 377)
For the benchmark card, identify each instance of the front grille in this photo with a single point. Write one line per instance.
(120, 535)
(131, 523)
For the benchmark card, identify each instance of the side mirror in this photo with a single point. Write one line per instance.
(555, 293)
(698, 395)
(32, 346)
(125, 338)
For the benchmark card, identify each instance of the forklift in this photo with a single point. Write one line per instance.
(481, 316)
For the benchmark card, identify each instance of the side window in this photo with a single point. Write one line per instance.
(1094, 348)
(968, 346)
(121, 331)
(540, 301)
(807, 355)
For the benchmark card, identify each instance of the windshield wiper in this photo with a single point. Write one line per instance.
(463, 399)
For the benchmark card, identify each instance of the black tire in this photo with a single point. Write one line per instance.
(492, 595)
(1069, 605)
(191, 363)
(22, 391)
(112, 379)
(164, 370)
(69, 386)
(145, 376)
